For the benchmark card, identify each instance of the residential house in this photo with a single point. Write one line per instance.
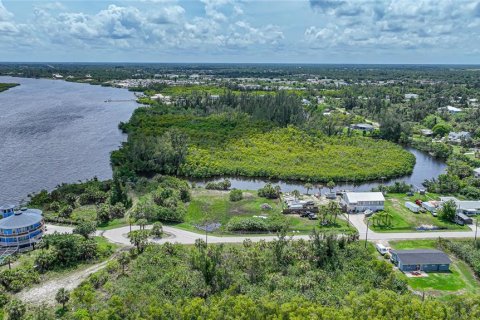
(458, 137)
(427, 132)
(464, 207)
(476, 172)
(450, 109)
(410, 96)
(361, 201)
(363, 127)
(421, 260)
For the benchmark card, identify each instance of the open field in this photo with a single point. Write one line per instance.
(215, 207)
(402, 219)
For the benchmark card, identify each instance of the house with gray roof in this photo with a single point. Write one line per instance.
(458, 137)
(427, 260)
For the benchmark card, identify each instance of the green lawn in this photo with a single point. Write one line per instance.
(460, 276)
(215, 206)
(404, 220)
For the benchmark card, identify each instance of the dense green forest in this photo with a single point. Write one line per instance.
(326, 278)
(263, 141)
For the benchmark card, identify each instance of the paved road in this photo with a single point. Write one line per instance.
(119, 235)
(357, 221)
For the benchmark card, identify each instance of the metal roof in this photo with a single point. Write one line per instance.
(354, 197)
(21, 219)
(422, 256)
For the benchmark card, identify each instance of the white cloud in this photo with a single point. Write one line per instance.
(407, 24)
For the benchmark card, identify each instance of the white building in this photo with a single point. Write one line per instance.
(361, 201)
(466, 207)
(476, 172)
(450, 109)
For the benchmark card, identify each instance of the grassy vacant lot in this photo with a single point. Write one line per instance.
(215, 206)
(404, 220)
(460, 279)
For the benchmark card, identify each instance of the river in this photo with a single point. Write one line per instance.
(426, 167)
(53, 131)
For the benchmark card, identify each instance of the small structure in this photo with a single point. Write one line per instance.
(429, 206)
(410, 96)
(450, 109)
(421, 260)
(426, 132)
(462, 219)
(412, 206)
(363, 127)
(361, 201)
(6, 210)
(468, 208)
(458, 137)
(22, 229)
(476, 172)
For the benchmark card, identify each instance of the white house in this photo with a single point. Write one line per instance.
(450, 109)
(361, 201)
(466, 207)
(476, 172)
(410, 96)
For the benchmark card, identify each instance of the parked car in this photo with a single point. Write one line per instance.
(312, 216)
(368, 213)
(381, 248)
(305, 214)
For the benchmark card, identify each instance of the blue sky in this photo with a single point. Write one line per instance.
(294, 31)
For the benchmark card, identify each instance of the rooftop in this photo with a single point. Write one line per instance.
(20, 219)
(7, 207)
(364, 196)
(422, 256)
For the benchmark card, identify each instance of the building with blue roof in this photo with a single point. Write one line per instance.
(20, 229)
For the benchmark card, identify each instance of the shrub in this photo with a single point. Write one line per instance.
(66, 211)
(247, 224)
(269, 191)
(157, 230)
(273, 223)
(222, 185)
(236, 195)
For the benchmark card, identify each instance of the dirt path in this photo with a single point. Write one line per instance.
(45, 292)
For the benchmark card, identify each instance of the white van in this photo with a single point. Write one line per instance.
(381, 248)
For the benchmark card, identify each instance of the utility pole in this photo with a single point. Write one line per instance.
(366, 233)
(476, 229)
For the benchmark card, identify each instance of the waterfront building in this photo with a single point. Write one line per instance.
(21, 229)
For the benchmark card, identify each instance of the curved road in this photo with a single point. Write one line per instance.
(120, 235)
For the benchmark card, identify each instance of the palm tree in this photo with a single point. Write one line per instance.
(388, 218)
(142, 223)
(8, 260)
(296, 194)
(131, 220)
(331, 185)
(62, 297)
(124, 259)
(308, 186)
(278, 190)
